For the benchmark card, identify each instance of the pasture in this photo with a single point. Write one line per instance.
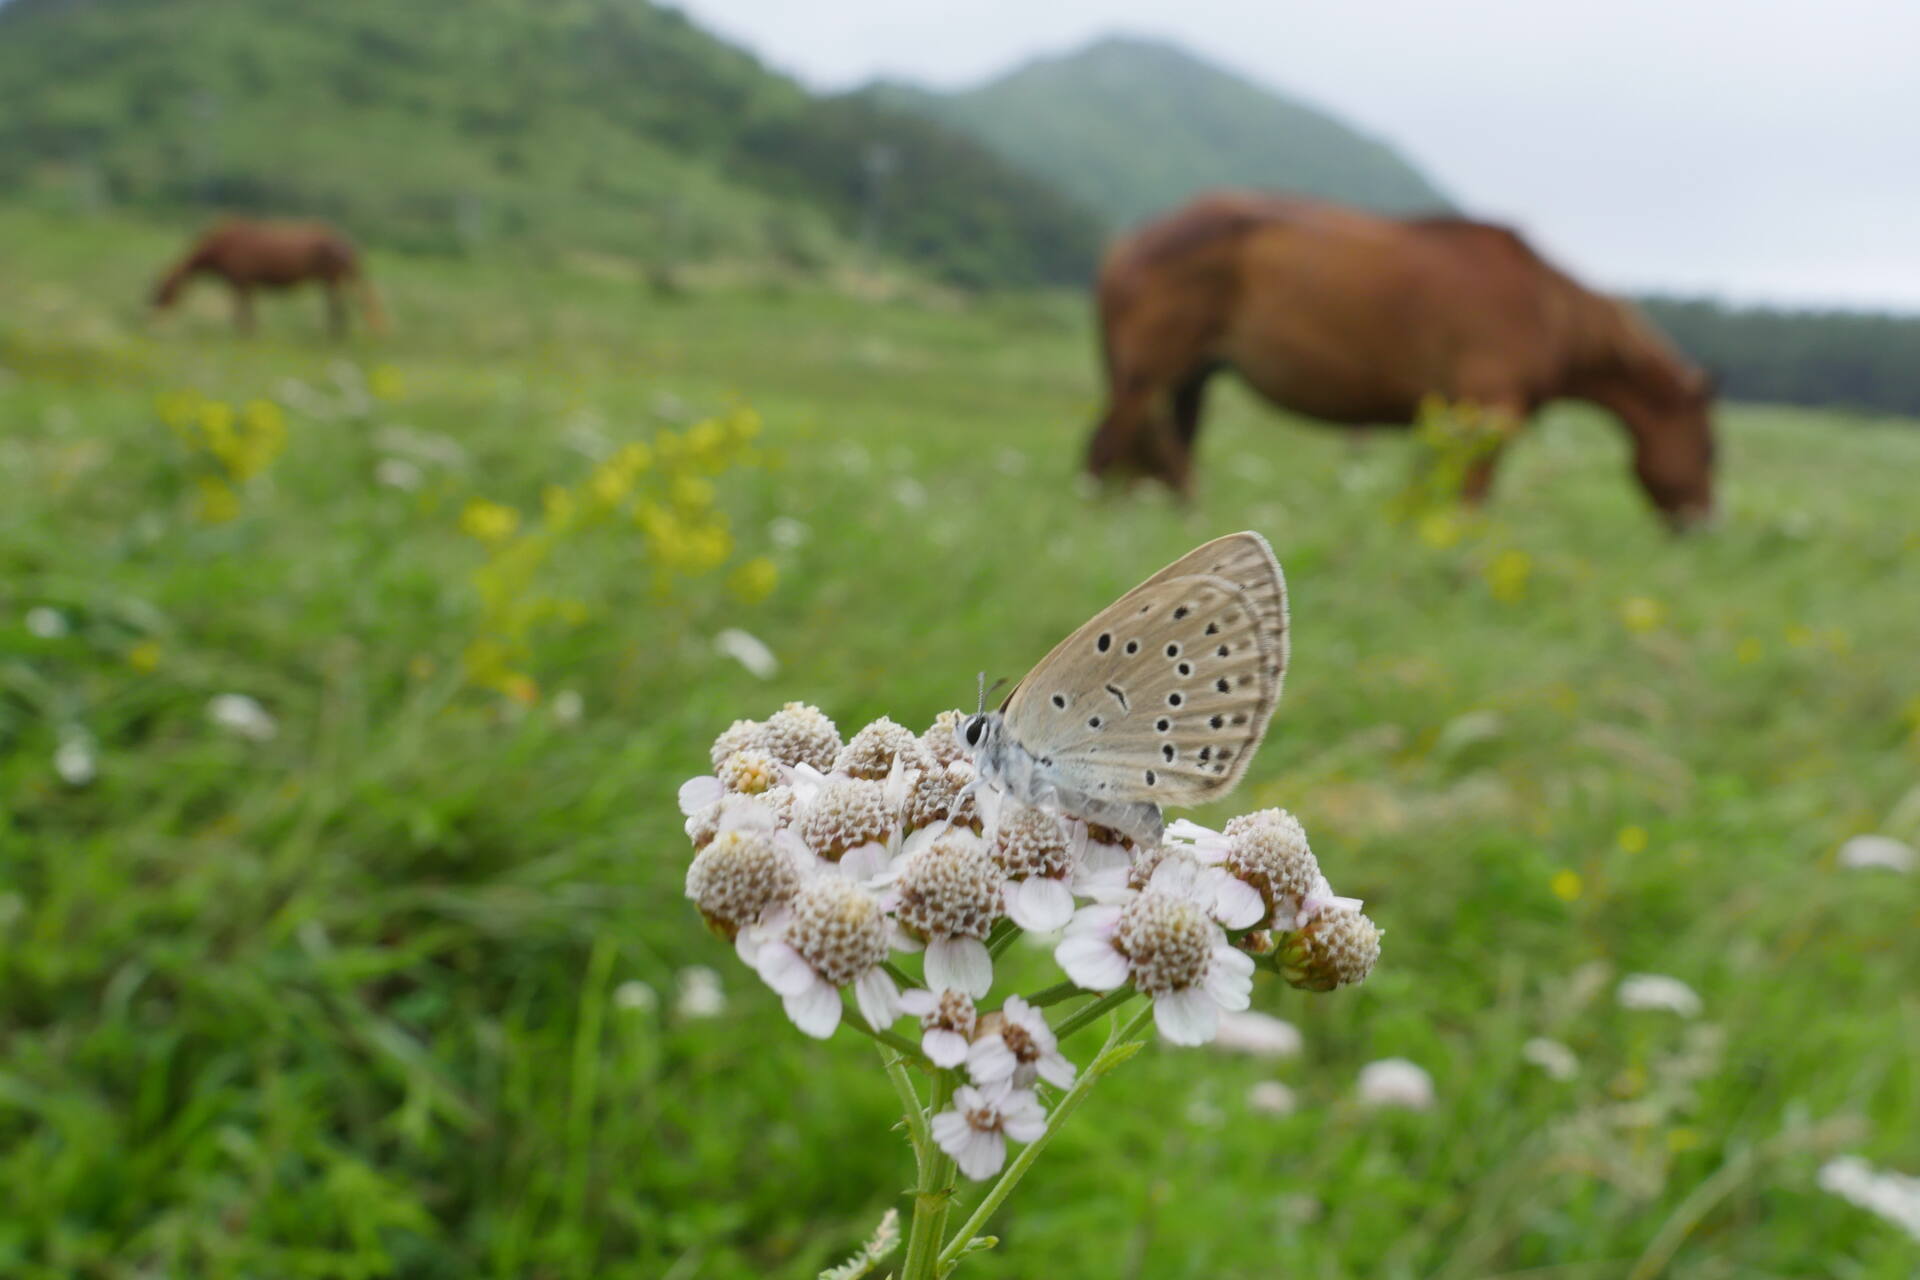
(400, 989)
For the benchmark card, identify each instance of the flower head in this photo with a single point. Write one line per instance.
(949, 894)
(1266, 850)
(1258, 1034)
(871, 752)
(940, 795)
(1657, 991)
(739, 736)
(740, 876)
(1038, 852)
(1337, 947)
(834, 935)
(942, 738)
(800, 734)
(947, 1022)
(1396, 1082)
(749, 771)
(848, 815)
(1168, 947)
(1878, 852)
(242, 716)
(1017, 1044)
(974, 1131)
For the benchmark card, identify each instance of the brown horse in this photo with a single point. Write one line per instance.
(1353, 318)
(250, 255)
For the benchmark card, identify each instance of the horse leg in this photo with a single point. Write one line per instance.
(1506, 417)
(243, 310)
(1117, 440)
(1189, 399)
(336, 309)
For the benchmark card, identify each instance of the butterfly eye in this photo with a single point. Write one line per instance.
(976, 725)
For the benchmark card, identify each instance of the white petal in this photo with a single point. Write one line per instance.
(783, 968)
(1186, 1016)
(815, 1010)
(698, 793)
(1100, 919)
(1024, 1125)
(900, 940)
(1042, 905)
(1234, 960)
(944, 1048)
(1237, 904)
(981, 1154)
(1091, 962)
(865, 863)
(990, 1061)
(879, 999)
(918, 1001)
(746, 944)
(950, 1129)
(1177, 878)
(1229, 989)
(1055, 1070)
(959, 964)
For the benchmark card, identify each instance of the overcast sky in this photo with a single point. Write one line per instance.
(1764, 150)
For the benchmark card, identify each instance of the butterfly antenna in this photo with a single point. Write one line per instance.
(983, 695)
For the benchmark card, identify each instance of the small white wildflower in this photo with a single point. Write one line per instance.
(1169, 948)
(1657, 991)
(1552, 1057)
(788, 533)
(1272, 1097)
(1017, 1044)
(399, 473)
(1038, 853)
(749, 651)
(46, 623)
(242, 716)
(1878, 852)
(947, 1023)
(568, 707)
(73, 760)
(636, 996)
(834, 935)
(909, 493)
(1259, 1034)
(1894, 1196)
(700, 993)
(948, 894)
(974, 1131)
(1396, 1082)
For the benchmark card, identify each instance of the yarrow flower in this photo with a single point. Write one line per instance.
(947, 1021)
(1396, 1082)
(871, 752)
(1038, 853)
(744, 875)
(948, 895)
(1337, 947)
(1657, 991)
(1170, 949)
(834, 935)
(1017, 1044)
(974, 1131)
(1258, 1034)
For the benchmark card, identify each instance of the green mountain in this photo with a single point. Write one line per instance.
(611, 125)
(1132, 127)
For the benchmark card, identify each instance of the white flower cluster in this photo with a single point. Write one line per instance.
(822, 859)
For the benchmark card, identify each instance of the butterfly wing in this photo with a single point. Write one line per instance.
(1164, 695)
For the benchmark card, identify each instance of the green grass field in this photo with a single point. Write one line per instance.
(366, 999)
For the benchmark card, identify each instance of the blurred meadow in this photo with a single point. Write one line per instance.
(391, 974)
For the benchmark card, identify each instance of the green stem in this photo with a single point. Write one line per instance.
(1109, 1058)
(932, 1194)
(899, 975)
(1087, 1013)
(892, 1040)
(1055, 994)
(1002, 937)
(909, 1104)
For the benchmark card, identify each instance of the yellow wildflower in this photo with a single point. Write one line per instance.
(1566, 884)
(1632, 839)
(1642, 614)
(144, 656)
(1507, 575)
(490, 522)
(754, 580)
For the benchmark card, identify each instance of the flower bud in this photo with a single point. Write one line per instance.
(1338, 947)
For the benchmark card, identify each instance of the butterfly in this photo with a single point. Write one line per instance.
(1160, 699)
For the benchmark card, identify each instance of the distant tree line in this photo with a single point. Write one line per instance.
(1849, 359)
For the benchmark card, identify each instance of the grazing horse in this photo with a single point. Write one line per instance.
(1354, 319)
(275, 255)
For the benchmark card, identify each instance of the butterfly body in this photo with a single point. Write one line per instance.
(1159, 699)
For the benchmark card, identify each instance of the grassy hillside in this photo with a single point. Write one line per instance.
(408, 988)
(1132, 127)
(608, 125)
